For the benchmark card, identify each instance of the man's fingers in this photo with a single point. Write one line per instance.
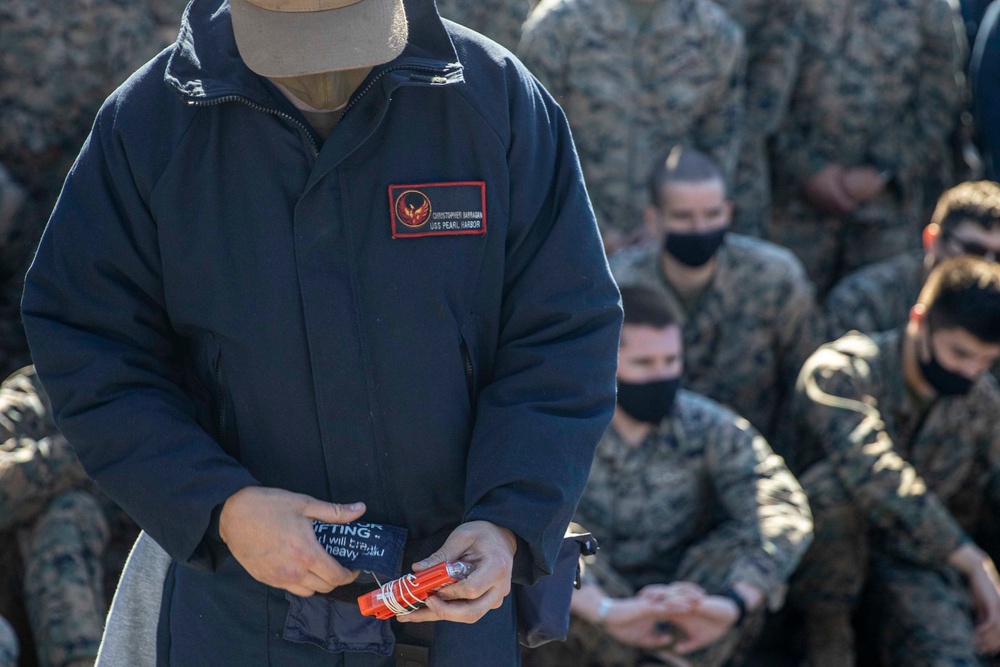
(491, 573)
(315, 584)
(453, 548)
(674, 606)
(464, 611)
(467, 589)
(326, 567)
(458, 611)
(987, 636)
(332, 512)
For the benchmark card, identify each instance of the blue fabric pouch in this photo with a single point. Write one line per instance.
(333, 621)
(336, 626)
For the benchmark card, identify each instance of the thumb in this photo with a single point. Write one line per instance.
(452, 549)
(332, 512)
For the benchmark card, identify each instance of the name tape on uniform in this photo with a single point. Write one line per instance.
(438, 209)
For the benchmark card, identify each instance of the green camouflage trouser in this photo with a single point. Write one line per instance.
(8, 645)
(62, 554)
(915, 615)
(707, 564)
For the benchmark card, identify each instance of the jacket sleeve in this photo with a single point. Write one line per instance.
(840, 405)
(552, 392)
(107, 355)
(769, 517)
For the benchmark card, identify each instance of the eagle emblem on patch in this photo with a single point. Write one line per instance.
(413, 208)
(438, 209)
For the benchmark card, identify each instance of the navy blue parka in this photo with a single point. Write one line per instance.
(218, 301)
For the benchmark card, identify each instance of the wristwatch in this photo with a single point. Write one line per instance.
(741, 604)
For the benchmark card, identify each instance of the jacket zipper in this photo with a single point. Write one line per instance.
(417, 68)
(305, 130)
(257, 107)
(470, 376)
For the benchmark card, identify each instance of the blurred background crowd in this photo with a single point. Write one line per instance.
(777, 172)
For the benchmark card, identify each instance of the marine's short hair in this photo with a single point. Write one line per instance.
(964, 293)
(977, 202)
(682, 165)
(644, 306)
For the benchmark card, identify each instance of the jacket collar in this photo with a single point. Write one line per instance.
(206, 66)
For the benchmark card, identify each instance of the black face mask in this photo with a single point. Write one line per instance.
(648, 401)
(945, 382)
(694, 248)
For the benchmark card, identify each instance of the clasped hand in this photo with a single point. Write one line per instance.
(680, 617)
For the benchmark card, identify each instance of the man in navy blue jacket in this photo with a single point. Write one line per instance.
(270, 294)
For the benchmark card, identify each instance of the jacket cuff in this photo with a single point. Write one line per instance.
(761, 573)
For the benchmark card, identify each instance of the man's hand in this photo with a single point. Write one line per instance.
(825, 190)
(703, 625)
(491, 549)
(637, 621)
(984, 587)
(985, 590)
(862, 183)
(269, 531)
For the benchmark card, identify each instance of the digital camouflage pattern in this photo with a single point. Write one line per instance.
(921, 615)
(877, 297)
(72, 539)
(500, 20)
(703, 499)
(880, 83)
(749, 332)
(634, 89)
(60, 60)
(891, 477)
(63, 553)
(36, 462)
(8, 645)
(773, 31)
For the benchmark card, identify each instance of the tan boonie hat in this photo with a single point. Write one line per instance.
(279, 38)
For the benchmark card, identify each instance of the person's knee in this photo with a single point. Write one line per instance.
(72, 521)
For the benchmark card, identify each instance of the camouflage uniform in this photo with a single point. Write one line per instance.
(879, 84)
(632, 91)
(749, 332)
(703, 499)
(500, 20)
(877, 297)
(895, 486)
(58, 62)
(62, 525)
(773, 31)
(8, 645)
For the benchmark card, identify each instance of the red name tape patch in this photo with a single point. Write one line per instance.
(438, 209)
